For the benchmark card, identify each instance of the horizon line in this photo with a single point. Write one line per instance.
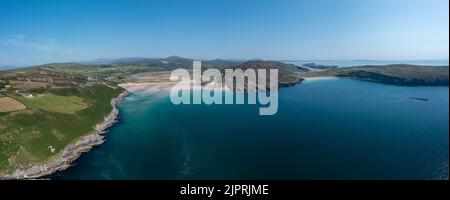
(88, 61)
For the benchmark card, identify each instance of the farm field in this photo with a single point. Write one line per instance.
(29, 85)
(8, 104)
(55, 103)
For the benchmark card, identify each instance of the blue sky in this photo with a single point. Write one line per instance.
(42, 31)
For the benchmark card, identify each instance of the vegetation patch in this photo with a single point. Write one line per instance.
(33, 136)
(28, 84)
(400, 74)
(55, 103)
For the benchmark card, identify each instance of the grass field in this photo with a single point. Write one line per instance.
(55, 103)
(25, 136)
(8, 104)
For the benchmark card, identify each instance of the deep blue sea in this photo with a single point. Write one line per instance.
(324, 129)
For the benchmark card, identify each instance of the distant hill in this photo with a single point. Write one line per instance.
(288, 74)
(399, 74)
(317, 66)
(173, 62)
(108, 60)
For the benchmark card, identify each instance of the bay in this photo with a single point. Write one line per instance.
(324, 129)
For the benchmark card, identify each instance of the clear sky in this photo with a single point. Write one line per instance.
(42, 31)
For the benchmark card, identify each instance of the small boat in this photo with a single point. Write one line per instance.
(418, 98)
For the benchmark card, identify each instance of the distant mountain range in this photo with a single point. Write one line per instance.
(144, 60)
(99, 61)
(168, 62)
(8, 67)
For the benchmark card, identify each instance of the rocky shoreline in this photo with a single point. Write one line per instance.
(72, 151)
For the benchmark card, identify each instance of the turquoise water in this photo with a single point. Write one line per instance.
(324, 129)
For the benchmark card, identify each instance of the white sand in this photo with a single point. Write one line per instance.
(162, 86)
(147, 87)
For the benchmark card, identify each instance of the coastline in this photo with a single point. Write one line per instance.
(316, 78)
(74, 150)
(163, 86)
(147, 87)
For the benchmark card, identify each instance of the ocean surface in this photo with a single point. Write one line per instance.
(324, 129)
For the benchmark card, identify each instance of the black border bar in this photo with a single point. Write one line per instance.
(170, 189)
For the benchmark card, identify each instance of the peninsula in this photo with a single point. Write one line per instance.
(398, 74)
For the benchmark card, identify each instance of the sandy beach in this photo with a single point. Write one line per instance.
(147, 87)
(163, 87)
